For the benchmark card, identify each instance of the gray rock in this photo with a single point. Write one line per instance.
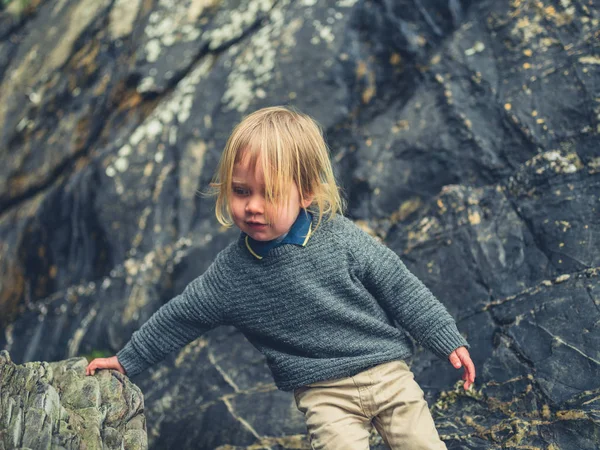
(56, 406)
(465, 135)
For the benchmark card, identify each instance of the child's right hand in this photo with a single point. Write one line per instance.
(104, 363)
(461, 358)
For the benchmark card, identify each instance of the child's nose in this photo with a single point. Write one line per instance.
(255, 205)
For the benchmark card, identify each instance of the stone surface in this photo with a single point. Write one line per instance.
(56, 406)
(465, 135)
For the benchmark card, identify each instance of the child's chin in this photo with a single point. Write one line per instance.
(259, 237)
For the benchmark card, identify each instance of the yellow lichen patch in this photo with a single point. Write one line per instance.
(361, 70)
(395, 59)
(363, 225)
(478, 47)
(547, 42)
(82, 14)
(138, 298)
(400, 125)
(421, 233)
(406, 209)
(288, 35)
(441, 205)
(447, 398)
(86, 57)
(527, 52)
(368, 94)
(192, 349)
(546, 412)
(572, 414)
(554, 159)
(565, 225)
(21, 8)
(507, 106)
(562, 278)
(197, 7)
(148, 169)
(122, 17)
(594, 165)
(474, 217)
(160, 182)
(102, 85)
(125, 99)
(589, 59)
(191, 170)
(526, 28)
(470, 421)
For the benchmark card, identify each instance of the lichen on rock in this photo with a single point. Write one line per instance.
(56, 406)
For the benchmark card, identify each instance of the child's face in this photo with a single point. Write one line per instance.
(248, 205)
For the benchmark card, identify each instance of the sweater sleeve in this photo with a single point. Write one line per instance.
(403, 295)
(182, 319)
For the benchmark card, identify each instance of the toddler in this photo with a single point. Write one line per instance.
(316, 295)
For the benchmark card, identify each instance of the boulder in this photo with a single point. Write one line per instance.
(56, 406)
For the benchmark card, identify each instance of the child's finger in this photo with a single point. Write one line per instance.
(91, 368)
(454, 360)
(469, 367)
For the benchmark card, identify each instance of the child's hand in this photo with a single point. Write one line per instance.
(104, 363)
(459, 358)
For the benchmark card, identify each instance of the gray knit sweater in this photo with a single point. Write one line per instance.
(318, 312)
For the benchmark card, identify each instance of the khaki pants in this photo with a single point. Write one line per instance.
(339, 413)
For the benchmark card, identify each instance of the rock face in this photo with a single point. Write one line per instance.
(465, 135)
(55, 406)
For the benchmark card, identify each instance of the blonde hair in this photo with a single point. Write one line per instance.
(291, 149)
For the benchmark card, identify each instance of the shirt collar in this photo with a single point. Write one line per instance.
(299, 234)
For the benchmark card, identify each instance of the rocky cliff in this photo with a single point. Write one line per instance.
(465, 135)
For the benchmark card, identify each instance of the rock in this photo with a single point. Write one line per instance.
(465, 136)
(56, 406)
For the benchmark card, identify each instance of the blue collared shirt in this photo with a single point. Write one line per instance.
(299, 234)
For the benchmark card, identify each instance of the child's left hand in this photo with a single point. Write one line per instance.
(461, 358)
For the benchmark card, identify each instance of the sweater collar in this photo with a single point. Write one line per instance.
(299, 234)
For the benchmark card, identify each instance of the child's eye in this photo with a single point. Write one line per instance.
(240, 190)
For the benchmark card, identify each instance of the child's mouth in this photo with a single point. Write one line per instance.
(256, 225)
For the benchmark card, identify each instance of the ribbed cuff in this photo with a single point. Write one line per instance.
(131, 360)
(445, 340)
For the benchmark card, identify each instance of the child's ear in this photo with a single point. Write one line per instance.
(308, 201)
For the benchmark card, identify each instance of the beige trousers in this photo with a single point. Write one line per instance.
(339, 413)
